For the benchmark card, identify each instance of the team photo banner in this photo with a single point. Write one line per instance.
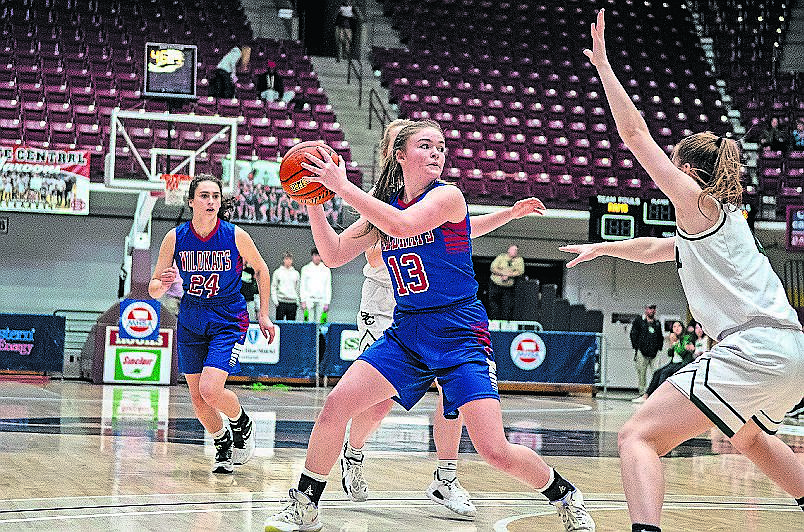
(40, 180)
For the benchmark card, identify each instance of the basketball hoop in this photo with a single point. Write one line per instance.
(176, 188)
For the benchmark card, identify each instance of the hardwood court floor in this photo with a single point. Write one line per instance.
(76, 456)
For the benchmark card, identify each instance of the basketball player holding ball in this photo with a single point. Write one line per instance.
(209, 253)
(440, 328)
(375, 316)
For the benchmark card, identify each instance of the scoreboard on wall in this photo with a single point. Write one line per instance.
(622, 217)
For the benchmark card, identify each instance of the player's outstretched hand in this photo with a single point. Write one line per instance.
(585, 252)
(527, 206)
(267, 327)
(597, 55)
(168, 276)
(325, 171)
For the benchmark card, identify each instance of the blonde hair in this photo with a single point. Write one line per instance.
(399, 123)
(715, 163)
(391, 181)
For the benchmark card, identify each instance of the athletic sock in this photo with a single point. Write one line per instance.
(312, 485)
(557, 487)
(221, 435)
(447, 470)
(352, 453)
(240, 420)
(800, 502)
(639, 527)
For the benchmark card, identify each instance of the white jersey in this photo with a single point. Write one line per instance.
(728, 282)
(378, 293)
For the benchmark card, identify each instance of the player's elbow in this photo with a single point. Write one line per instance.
(633, 133)
(330, 258)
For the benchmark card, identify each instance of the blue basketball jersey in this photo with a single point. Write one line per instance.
(210, 267)
(433, 269)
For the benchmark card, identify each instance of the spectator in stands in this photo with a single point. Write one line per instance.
(315, 288)
(797, 137)
(681, 352)
(271, 86)
(345, 26)
(285, 289)
(702, 341)
(249, 289)
(774, 138)
(505, 270)
(646, 339)
(222, 84)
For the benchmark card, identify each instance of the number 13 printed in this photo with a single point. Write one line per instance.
(412, 263)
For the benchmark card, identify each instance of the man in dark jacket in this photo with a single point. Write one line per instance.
(646, 339)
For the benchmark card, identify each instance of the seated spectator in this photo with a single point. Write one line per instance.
(681, 353)
(271, 87)
(222, 84)
(702, 342)
(774, 138)
(797, 137)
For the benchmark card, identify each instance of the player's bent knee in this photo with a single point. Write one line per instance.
(210, 392)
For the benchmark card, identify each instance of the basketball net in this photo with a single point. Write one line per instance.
(177, 187)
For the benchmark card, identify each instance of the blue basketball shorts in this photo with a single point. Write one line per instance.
(211, 334)
(451, 344)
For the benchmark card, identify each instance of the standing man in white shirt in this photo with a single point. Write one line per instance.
(222, 84)
(315, 288)
(285, 289)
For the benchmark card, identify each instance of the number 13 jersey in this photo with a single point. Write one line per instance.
(433, 269)
(210, 266)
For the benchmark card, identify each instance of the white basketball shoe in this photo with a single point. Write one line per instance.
(451, 494)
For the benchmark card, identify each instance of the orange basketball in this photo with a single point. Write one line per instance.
(293, 175)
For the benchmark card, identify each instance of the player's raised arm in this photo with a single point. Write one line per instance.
(338, 249)
(682, 189)
(443, 205)
(647, 250)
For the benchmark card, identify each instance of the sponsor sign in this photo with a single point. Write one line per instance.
(139, 319)
(31, 342)
(138, 360)
(350, 345)
(40, 180)
(528, 351)
(257, 350)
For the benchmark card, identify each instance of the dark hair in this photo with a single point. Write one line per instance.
(227, 204)
(391, 181)
(287, 255)
(314, 251)
(718, 159)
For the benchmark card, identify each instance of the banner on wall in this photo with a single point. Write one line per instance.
(133, 360)
(521, 356)
(139, 319)
(293, 357)
(259, 197)
(257, 350)
(41, 180)
(549, 357)
(31, 342)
